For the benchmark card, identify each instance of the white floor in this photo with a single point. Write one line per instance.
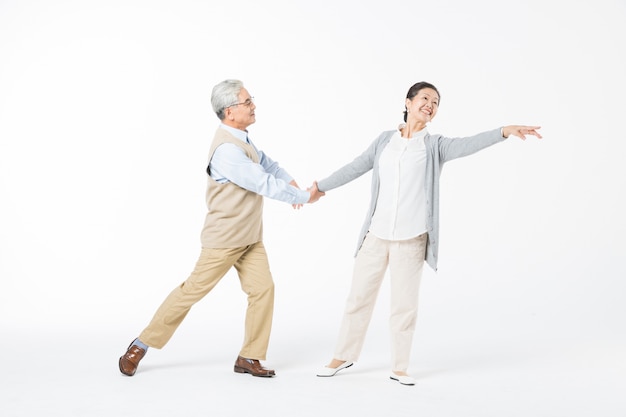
(75, 374)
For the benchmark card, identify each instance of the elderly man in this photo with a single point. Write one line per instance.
(239, 176)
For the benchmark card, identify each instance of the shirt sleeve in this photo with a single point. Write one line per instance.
(272, 167)
(267, 178)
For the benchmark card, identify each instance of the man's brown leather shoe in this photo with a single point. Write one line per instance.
(130, 360)
(252, 366)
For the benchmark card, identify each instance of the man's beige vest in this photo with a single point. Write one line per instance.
(235, 214)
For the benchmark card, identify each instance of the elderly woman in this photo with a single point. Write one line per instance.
(401, 230)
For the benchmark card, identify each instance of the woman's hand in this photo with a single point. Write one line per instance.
(315, 192)
(520, 131)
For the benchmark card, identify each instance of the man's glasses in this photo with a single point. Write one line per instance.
(246, 103)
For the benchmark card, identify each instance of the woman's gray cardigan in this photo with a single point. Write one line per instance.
(439, 149)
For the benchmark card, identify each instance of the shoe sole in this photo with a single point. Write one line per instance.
(401, 383)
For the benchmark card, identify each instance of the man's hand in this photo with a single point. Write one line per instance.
(295, 184)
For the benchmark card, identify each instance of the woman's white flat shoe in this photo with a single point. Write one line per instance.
(326, 371)
(403, 379)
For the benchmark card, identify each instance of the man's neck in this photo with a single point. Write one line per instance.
(234, 125)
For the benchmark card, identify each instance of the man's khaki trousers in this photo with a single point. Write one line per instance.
(253, 269)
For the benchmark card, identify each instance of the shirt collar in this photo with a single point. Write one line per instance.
(242, 135)
(416, 135)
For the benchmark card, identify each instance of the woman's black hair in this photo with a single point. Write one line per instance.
(415, 88)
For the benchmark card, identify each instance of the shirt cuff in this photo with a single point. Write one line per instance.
(302, 197)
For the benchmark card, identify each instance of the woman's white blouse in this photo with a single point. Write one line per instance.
(401, 207)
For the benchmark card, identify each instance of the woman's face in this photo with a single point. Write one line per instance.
(423, 107)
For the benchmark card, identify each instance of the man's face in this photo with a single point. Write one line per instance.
(241, 115)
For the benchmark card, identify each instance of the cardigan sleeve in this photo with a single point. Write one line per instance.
(351, 171)
(452, 148)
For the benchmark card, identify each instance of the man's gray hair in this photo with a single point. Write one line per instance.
(224, 95)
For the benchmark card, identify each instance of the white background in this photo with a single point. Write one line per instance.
(105, 123)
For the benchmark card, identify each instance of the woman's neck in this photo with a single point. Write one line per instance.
(412, 128)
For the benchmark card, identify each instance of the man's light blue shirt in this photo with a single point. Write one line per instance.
(267, 178)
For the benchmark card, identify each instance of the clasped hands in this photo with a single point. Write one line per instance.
(315, 193)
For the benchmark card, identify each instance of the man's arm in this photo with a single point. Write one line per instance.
(230, 163)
